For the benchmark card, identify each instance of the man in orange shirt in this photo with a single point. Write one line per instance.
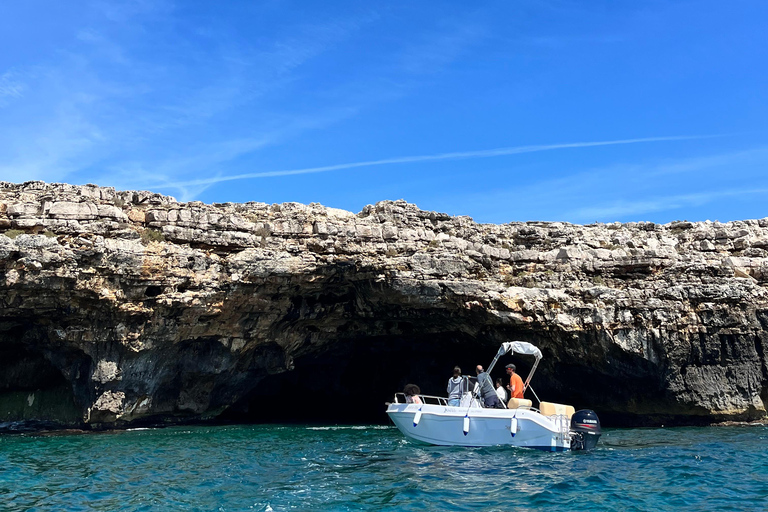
(515, 382)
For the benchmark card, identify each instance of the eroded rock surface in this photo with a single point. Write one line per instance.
(129, 307)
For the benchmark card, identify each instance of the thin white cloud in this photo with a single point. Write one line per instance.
(661, 203)
(709, 162)
(121, 11)
(51, 152)
(10, 87)
(431, 158)
(438, 50)
(103, 47)
(207, 158)
(151, 175)
(625, 191)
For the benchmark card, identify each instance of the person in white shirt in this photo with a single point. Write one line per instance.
(500, 391)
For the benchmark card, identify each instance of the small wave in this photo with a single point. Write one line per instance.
(352, 427)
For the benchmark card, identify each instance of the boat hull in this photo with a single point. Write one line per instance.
(457, 426)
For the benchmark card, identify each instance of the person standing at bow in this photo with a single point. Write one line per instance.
(454, 388)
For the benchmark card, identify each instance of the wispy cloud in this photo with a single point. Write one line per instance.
(624, 192)
(618, 210)
(104, 47)
(440, 49)
(160, 174)
(436, 157)
(737, 158)
(10, 87)
(151, 121)
(126, 10)
(557, 42)
(154, 119)
(207, 158)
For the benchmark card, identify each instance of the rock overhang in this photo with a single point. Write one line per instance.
(197, 305)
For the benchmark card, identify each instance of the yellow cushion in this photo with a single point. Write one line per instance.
(550, 409)
(514, 403)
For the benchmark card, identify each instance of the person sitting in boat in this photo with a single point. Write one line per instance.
(412, 393)
(485, 389)
(501, 392)
(454, 388)
(515, 382)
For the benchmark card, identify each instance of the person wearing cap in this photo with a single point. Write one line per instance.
(515, 382)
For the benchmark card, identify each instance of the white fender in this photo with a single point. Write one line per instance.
(417, 417)
(513, 426)
(466, 424)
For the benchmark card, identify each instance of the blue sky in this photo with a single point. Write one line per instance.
(503, 111)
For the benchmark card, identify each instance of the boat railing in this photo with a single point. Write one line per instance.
(563, 423)
(425, 399)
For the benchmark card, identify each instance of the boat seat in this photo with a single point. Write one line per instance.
(515, 403)
(550, 409)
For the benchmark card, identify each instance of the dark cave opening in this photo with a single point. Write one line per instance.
(33, 392)
(22, 369)
(351, 383)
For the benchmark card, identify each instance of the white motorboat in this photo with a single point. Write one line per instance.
(550, 427)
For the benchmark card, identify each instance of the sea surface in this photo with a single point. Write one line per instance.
(262, 468)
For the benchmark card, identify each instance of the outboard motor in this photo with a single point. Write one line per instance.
(585, 430)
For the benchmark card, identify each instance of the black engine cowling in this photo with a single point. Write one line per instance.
(585, 430)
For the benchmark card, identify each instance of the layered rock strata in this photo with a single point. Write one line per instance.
(122, 308)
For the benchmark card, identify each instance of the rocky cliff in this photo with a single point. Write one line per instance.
(127, 308)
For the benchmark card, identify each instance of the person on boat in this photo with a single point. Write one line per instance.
(412, 393)
(485, 389)
(501, 392)
(515, 382)
(454, 388)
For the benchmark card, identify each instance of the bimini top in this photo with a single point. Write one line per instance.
(519, 347)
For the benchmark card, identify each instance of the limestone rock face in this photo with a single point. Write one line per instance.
(123, 308)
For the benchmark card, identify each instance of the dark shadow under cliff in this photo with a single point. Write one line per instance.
(351, 383)
(33, 392)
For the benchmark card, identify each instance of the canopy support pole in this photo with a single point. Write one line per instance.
(493, 363)
(530, 375)
(537, 396)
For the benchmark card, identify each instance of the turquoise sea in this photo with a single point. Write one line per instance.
(268, 467)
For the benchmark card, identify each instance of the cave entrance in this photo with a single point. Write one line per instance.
(33, 392)
(350, 382)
